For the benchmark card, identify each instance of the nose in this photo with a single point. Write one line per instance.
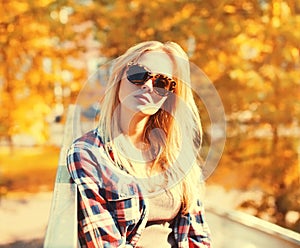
(148, 85)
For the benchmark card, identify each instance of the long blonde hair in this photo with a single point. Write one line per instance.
(178, 119)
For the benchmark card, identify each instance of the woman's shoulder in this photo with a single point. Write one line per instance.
(89, 160)
(89, 139)
(88, 147)
(87, 156)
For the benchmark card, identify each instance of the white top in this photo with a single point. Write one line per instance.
(163, 208)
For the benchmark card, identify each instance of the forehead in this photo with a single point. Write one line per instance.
(157, 61)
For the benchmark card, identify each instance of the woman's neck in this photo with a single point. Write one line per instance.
(133, 126)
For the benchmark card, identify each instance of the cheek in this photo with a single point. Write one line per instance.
(124, 90)
(121, 93)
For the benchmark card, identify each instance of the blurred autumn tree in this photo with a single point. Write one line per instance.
(34, 53)
(249, 49)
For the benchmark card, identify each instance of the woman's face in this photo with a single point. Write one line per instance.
(142, 98)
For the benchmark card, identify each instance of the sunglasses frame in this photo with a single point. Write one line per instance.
(150, 75)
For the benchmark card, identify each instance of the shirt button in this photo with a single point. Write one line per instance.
(122, 194)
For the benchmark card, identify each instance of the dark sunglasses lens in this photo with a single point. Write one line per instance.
(137, 74)
(162, 86)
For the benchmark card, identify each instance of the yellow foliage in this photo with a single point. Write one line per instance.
(292, 175)
(237, 74)
(43, 3)
(276, 7)
(268, 71)
(255, 81)
(230, 9)
(13, 8)
(30, 117)
(295, 53)
(41, 43)
(214, 69)
(37, 28)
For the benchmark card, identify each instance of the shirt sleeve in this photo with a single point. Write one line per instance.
(96, 224)
(191, 230)
(198, 233)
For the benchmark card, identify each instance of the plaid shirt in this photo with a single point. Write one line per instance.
(112, 211)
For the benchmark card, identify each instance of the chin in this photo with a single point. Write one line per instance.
(148, 110)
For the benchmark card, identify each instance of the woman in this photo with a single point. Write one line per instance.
(138, 173)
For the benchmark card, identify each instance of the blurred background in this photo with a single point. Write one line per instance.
(249, 50)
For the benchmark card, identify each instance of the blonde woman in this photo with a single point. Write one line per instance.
(138, 173)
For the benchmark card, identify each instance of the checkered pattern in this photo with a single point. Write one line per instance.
(112, 211)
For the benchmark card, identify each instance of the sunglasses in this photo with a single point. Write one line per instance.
(138, 74)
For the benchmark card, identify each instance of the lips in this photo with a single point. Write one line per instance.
(143, 97)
